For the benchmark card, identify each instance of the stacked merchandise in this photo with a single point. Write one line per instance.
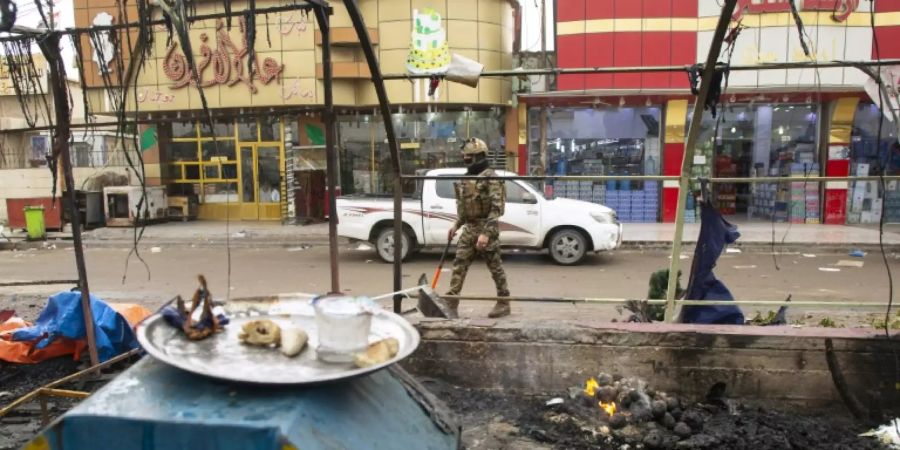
(892, 197)
(865, 206)
(726, 194)
(690, 212)
(633, 204)
(650, 208)
(585, 191)
(624, 197)
(764, 199)
(599, 194)
(803, 204)
(699, 169)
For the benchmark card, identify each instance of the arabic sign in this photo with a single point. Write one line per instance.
(6, 82)
(223, 64)
(841, 9)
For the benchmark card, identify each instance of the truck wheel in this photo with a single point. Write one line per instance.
(384, 245)
(567, 247)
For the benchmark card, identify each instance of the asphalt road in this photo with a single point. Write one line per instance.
(263, 271)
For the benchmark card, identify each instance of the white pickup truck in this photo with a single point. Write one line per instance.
(567, 228)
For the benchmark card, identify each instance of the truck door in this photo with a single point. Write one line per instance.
(439, 207)
(521, 221)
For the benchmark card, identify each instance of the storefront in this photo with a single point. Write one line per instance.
(428, 140)
(785, 123)
(602, 141)
(268, 141)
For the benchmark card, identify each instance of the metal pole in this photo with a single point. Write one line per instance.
(657, 69)
(49, 45)
(688, 160)
(621, 301)
(330, 150)
(366, 42)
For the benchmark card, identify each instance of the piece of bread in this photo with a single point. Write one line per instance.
(377, 353)
(292, 341)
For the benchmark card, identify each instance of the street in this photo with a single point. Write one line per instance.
(623, 274)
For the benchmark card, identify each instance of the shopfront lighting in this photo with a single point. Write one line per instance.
(781, 130)
(733, 130)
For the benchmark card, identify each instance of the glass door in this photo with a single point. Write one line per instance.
(249, 202)
(268, 174)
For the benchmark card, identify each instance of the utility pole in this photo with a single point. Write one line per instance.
(49, 44)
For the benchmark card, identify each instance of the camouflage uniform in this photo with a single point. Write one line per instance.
(479, 206)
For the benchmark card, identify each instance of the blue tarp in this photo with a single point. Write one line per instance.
(715, 234)
(152, 406)
(63, 317)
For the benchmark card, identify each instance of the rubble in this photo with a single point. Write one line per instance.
(580, 422)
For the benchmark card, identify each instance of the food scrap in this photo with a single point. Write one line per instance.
(260, 332)
(201, 327)
(377, 353)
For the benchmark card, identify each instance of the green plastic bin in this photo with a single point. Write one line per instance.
(34, 223)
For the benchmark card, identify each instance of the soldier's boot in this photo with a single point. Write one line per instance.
(501, 308)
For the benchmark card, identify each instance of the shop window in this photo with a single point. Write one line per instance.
(211, 172)
(269, 128)
(191, 171)
(613, 141)
(229, 171)
(870, 155)
(225, 151)
(184, 130)
(183, 151)
(429, 140)
(247, 131)
(220, 193)
(761, 140)
(223, 129)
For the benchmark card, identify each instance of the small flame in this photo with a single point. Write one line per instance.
(610, 408)
(590, 387)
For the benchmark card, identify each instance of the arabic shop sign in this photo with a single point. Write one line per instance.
(840, 9)
(221, 62)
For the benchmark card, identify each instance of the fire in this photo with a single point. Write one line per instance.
(610, 408)
(590, 387)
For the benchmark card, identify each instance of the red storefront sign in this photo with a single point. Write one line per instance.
(841, 9)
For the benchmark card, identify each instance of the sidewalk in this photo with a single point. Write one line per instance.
(788, 237)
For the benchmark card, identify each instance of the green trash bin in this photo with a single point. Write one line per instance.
(34, 223)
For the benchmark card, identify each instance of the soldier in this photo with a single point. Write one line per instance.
(479, 205)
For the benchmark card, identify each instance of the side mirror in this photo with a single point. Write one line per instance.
(529, 198)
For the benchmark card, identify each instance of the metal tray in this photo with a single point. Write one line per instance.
(222, 356)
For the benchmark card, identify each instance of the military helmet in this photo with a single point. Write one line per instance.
(474, 146)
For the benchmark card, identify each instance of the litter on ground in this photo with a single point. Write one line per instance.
(849, 263)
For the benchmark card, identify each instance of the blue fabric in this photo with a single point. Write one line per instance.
(715, 234)
(63, 317)
(175, 319)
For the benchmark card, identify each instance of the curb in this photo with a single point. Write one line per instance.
(322, 241)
